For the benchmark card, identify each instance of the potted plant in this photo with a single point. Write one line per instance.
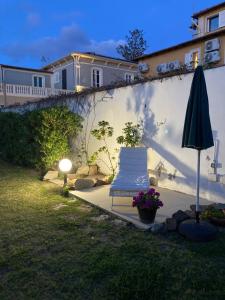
(147, 204)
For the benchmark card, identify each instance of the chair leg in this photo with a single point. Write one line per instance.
(112, 202)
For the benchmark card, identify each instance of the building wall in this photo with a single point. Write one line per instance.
(79, 73)
(161, 105)
(203, 22)
(71, 74)
(111, 73)
(12, 100)
(179, 54)
(24, 77)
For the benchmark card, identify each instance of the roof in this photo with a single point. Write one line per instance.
(25, 69)
(207, 10)
(184, 44)
(89, 55)
(105, 56)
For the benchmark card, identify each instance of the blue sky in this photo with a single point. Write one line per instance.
(54, 28)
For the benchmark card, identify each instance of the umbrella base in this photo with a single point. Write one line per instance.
(198, 232)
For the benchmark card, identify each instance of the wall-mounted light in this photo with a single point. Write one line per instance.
(65, 165)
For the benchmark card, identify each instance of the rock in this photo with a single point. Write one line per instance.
(201, 207)
(190, 213)
(100, 182)
(100, 218)
(93, 170)
(198, 232)
(59, 206)
(71, 176)
(171, 224)
(153, 181)
(180, 216)
(51, 175)
(157, 228)
(85, 183)
(83, 170)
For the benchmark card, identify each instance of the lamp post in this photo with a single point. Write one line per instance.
(65, 165)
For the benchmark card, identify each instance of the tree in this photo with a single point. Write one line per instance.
(135, 45)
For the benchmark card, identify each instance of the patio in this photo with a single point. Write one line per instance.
(173, 201)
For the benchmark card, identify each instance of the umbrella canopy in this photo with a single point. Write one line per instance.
(197, 132)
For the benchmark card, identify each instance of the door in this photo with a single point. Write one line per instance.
(64, 79)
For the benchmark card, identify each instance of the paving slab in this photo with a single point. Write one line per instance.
(122, 208)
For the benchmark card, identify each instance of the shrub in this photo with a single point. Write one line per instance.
(132, 135)
(102, 133)
(38, 138)
(14, 145)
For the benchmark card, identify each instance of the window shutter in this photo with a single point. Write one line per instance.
(222, 18)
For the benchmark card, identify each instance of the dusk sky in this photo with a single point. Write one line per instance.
(30, 30)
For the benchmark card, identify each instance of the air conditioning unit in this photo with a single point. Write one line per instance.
(162, 68)
(212, 45)
(173, 65)
(143, 67)
(211, 57)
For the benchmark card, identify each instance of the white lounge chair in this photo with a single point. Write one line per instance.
(132, 176)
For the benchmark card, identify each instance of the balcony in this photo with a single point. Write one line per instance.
(30, 91)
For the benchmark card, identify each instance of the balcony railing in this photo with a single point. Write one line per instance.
(30, 91)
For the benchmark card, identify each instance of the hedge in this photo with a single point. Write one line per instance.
(39, 138)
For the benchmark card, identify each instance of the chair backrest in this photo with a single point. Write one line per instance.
(132, 160)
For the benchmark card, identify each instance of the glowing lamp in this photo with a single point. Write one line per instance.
(65, 165)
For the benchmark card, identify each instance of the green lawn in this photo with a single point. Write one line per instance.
(63, 254)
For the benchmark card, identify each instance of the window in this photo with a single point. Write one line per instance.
(129, 77)
(213, 23)
(97, 78)
(38, 81)
(56, 77)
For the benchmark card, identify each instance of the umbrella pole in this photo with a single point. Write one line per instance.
(197, 210)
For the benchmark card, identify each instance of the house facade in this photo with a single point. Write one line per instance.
(207, 46)
(78, 71)
(19, 85)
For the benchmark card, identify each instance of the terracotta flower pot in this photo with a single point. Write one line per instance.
(147, 215)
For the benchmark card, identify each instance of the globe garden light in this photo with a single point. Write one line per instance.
(65, 165)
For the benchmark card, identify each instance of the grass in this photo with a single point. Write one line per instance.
(63, 254)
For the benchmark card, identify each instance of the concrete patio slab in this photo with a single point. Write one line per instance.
(173, 201)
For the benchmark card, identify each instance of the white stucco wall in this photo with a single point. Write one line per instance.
(164, 102)
(161, 104)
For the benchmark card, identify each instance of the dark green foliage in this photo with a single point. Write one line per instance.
(14, 138)
(39, 138)
(102, 133)
(212, 212)
(132, 135)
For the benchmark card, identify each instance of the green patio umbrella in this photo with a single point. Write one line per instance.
(197, 132)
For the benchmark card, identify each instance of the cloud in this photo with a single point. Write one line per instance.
(33, 19)
(70, 38)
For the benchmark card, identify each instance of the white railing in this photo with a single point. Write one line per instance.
(30, 91)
